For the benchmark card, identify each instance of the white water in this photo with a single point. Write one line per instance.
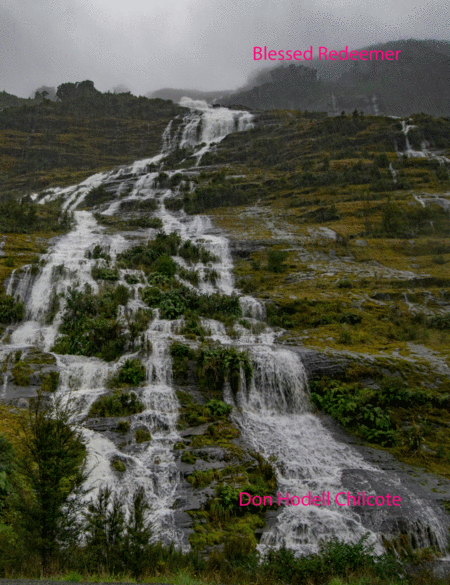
(424, 152)
(274, 413)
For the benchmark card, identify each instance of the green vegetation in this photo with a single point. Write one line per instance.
(10, 309)
(132, 222)
(117, 404)
(180, 300)
(96, 196)
(223, 520)
(411, 420)
(189, 457)
(118, 465)
(25, 216)
(146, 256)
(90, 326)
(116, 547)
(142, 436)
(193, 414)
(105, 273)
(63, 142)
(131, 373)
(21, 372)
(123, 426)
(50, 382)
(41, 487)
(212, 365)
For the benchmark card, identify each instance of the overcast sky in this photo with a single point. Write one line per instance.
(203, 44)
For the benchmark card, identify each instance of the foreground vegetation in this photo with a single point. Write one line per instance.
(45, 457)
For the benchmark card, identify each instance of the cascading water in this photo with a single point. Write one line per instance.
(423, 152)
(273, 413)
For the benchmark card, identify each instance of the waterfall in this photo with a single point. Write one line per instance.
(274, 412)
(210, 125)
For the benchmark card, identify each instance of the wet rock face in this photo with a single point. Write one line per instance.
(25, 372)
(412, 523)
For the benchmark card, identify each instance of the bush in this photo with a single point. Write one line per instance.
(123, 426)
(142, 436)
(131, 373)
(218, 408)
(355, 408)
(96, 196)
(216, 364)
(118, 465)
(11, 310)
(275, 261)
(189, 457)
(104, 273)
(89, 325)
(50, 382)
(119, 404)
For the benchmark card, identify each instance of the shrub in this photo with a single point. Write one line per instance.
(10, 309)
(89, 325)
(131, 278)
(123, 426)
(275, 261)
(217, 364)
(142, 436)
(189, 457)
(119, 404)
(355, 408)
(104, 273)
(165, 265)
(131, 373)
(96, 196)
(219, 408)
(21, 373)
(118, 465)
(50, 382)
(345, 283)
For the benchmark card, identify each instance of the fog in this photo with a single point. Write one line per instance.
(202, 44)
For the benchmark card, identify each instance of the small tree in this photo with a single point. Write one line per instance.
(53, 462)
(105, 532)
(114, 544)
(139, 533)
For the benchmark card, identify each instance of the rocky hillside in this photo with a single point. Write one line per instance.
(188, 299)
(58, 143)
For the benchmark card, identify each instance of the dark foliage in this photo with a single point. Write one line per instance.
(90, 326)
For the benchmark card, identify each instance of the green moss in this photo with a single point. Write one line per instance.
(216, 434)
(142, 436)
(50, 382)
(21, 373)
(37, 357)
(188, 456)
(201, 479)
(123, 426)
(118, 465)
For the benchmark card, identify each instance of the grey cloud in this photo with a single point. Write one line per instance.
(205, 44)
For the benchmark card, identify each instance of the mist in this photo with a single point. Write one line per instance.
(207, 45)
